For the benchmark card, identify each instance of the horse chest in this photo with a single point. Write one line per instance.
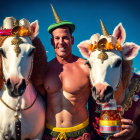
(29, 124)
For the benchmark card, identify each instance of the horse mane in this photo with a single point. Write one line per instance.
(39, 65)
(126, 73)
(125, 78)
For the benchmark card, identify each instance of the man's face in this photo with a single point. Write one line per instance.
(62, 42)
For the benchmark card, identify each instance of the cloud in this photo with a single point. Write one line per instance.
(138, 72)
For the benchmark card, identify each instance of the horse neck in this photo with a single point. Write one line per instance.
(120, 94)
(23, 101)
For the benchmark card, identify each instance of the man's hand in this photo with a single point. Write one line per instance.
(128, 130)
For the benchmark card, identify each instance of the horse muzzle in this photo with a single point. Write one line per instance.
(16, 89)
(102, 93)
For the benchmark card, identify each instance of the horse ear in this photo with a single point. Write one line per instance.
(34, 29)
(130, 51)
(119, 33)
(83, 48)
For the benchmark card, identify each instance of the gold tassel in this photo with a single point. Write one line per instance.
(61, 136)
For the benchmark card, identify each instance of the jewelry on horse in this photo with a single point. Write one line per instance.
(16, 41)
(17, 119)
(103, 56)
(104, 46)
(134, 87)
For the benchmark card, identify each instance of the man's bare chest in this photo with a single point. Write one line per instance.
(71, 81)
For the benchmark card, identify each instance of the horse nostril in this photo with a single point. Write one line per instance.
(94, 89)
(8, 83)
(22, 87)
(109, 89)
(108, 94)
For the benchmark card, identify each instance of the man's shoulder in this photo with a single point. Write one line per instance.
(82, 64)
(80, 60)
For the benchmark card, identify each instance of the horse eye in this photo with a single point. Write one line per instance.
(118, 63)
(87, 62)
(31, 52)
(2, 53)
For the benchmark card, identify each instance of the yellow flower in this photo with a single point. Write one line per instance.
(92, 47)
(109, 46)
(24, 31)
(118, 47)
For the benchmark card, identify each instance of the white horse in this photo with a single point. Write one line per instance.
(20, 104)
(104, 55)
(110, 63)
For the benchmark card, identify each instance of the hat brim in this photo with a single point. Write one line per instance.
(62, 23)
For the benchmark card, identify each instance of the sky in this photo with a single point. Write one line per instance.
(85, 14)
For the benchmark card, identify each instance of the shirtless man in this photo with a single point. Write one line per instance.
(68, 88)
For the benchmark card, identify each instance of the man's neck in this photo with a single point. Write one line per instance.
(66, 60)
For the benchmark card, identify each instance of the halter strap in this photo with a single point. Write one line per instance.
(20, 109)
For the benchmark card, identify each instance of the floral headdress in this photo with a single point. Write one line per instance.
(103, 45)
(12, 26)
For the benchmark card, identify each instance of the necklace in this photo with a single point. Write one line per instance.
(133, 88)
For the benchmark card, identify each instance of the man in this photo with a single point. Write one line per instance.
(68, 87)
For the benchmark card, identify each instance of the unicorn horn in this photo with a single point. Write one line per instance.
(57, 18)
(104, 30)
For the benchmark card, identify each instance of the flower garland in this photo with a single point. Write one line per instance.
(18, 30)
(5, 32)
(108, 46)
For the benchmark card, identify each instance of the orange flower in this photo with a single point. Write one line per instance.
(92, 47)
(118, 47)
(24, 31)
(109, 46)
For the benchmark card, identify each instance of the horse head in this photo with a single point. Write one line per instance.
(105, 55)
(17, 54)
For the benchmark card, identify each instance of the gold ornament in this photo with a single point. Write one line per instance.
(103, 56)
(16, 41)
(134, 87)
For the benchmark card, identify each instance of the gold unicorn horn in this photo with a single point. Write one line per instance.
(104, 30)
(57, 18)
